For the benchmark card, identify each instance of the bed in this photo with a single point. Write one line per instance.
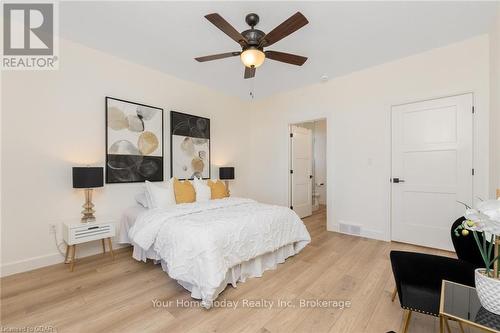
(207, 245)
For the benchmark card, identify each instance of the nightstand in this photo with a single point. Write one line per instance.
(77, 233)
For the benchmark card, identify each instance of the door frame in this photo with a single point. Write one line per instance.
(474, 140)
(289, 161)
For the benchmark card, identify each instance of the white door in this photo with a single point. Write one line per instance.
(301, 170)
(431, 169)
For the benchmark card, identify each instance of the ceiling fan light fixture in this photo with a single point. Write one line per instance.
(252, 57)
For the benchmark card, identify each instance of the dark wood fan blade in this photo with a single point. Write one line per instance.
(286, 57)
(292, 24)
(226, 28)
(249, 72)
(217, 56)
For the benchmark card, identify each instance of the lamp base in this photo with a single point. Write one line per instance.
(88, 207)
(88, 219)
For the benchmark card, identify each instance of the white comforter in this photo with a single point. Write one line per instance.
(200, 242)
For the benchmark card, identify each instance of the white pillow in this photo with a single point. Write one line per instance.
(203, 192)
(161, 196)
(142, 199)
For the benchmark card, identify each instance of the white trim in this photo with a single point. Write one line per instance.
(289, 189)
(435, 97)
(30, 264)
(365, 233)
(289, 183)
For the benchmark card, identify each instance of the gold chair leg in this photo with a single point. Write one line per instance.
(441, 324)
(447, 325)
(73, 251)
(111, 248)
(103, 246)
(394, 293)
(461, 327)
(406, 322)
(67, 252)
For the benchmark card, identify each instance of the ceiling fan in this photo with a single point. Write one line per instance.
(253, 41)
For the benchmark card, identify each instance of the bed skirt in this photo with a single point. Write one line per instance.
(239, 273)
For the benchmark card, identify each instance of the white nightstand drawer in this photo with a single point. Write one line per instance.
(76, 234)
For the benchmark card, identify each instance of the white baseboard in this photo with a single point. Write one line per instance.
(374, 234)
(334, 227)
(30, 264)
(367, 233)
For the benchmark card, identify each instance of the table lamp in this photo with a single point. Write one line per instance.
(88, 178)
(226, 173)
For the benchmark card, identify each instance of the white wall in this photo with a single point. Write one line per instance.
(495, 103)
(357, 108)
(53, 120)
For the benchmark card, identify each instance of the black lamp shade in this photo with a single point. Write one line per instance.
(226, 173)
(87, 177)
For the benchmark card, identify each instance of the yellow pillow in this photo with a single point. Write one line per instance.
(184, 191)
(218, 189)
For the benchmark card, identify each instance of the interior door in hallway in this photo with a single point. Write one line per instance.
(301, 170)
(431, 168)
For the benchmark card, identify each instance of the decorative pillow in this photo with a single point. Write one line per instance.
(142, 199)
(184, 191)
(218, 189)
(160, 196)
(203, 192)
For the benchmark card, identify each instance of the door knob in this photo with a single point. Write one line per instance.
(397, 180)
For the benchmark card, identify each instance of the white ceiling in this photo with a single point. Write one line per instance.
(341, 37)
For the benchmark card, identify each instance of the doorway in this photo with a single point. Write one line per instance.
(308, 165)
(432, 169)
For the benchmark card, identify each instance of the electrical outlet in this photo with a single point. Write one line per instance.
(52, 228)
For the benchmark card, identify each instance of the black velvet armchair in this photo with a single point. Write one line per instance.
(419, 276)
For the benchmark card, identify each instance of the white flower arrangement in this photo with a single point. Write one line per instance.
(485, 219)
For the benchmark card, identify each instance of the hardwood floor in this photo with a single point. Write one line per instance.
(117, 296)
